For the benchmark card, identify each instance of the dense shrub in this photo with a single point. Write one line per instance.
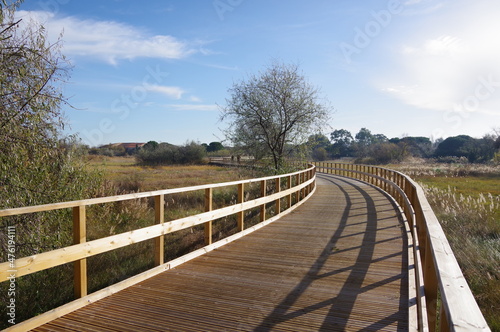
(164, 153)
(475, 150)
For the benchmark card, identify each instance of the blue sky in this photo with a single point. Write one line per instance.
(157, 70)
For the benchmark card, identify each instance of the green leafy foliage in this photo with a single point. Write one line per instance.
(168, 154)
(37, 166)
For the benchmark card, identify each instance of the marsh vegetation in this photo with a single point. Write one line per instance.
(466, 199)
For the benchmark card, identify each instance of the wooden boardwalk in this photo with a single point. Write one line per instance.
(337, 263)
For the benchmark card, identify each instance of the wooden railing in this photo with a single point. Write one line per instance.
(292, 188)
(439, 285)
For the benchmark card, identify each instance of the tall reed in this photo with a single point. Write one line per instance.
(472, 227)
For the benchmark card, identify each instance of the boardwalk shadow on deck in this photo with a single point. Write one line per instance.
(345, 300)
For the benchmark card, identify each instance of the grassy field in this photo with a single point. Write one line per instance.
(123, 173)
(466, 200)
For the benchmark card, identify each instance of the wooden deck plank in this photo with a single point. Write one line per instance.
(336, 263)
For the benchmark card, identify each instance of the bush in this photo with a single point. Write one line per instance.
(320, 154)
(164, 153)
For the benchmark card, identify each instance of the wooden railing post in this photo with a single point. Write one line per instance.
(443, 320)
(302, 180)
(160, 240)
(278, 201)
(297, 182)
(289, 186)
(306, 188)
(263, 185)
(311, 175)
(80, 266)
(208, 207)
(241, 215)
(384, 175)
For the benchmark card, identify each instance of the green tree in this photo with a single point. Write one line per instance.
(215, 146)
(150, 146)
(320, 154)
(319, 145)
(414, 146)
(455, 146)
(318, 141)
(272, 111)
(341, 143)
(35, 163)
(37, 166)
(364, 138)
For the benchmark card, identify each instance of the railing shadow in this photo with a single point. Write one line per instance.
(342, 304)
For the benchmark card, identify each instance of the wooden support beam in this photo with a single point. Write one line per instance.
(289, 197)
(263, 186)
(159, 219)
(208, 207)
(80, 266)
(297, 182)
(278, 201)
(241, 199)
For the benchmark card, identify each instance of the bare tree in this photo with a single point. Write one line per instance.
(272, 111)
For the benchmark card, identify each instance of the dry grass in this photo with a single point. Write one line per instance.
(417, 168)
(466, 200)
(127, 176)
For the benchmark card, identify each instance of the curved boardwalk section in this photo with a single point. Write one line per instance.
(337, 263)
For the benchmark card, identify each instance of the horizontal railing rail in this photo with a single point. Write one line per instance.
(437, 275)
(299, 185)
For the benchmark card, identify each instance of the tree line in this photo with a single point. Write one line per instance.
(363, 147)
(370, 148)
(154, 153)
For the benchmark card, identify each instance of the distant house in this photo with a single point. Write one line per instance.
(130, 148)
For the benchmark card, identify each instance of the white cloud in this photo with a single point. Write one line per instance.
(195, 99)
(170, 91)
(192, 107)
(108, 40)
(412, 2)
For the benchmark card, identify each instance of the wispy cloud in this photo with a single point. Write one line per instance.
(192, 107)
(173, 92)
(422, 7)
(110, 41)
